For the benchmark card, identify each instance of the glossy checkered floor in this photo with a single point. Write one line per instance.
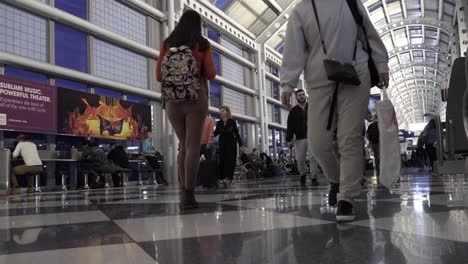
(423, 220)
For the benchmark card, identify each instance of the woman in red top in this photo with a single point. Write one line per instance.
(187, 118)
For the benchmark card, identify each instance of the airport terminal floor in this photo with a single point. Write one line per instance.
(422, 220)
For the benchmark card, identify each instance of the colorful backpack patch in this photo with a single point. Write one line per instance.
(180, 76)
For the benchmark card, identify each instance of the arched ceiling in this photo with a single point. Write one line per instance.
(417, 33)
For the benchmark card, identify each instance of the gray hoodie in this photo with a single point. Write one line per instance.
(303, 48)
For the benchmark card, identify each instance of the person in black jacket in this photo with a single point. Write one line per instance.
(229, 137)
(297, 126)
(119, 157)
(373, 137)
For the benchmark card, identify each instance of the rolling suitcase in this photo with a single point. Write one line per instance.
(208, 174)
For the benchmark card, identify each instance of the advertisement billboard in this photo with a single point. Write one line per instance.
(27, 106)
(90, 115)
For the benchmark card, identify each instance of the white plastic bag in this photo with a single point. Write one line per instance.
(390, 160)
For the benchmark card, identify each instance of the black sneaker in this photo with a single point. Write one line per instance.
(314, 182)
(345, 212)
(334, 190)
(363, 182)
(303, 180)
(188, 200)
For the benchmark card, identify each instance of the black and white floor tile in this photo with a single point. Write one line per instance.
(424, 219)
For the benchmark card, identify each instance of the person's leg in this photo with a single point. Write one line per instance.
(301, 154)
(432, 153)
(203, 150)
(116, 179)
(376, 150)
(176, 116)
(228, 163)
(351, 109)
(14, 173)
(313, 165)
(30, 171)
(194, 125)
(13, 176)
(208, 150)
(188, 159)
(153, 162)
(231, 159)
(322, 141)
(222, 163)
(314, 170)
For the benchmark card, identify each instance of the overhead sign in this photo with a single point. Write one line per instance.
(27, 106)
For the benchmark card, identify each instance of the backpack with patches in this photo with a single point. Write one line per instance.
(180, 76)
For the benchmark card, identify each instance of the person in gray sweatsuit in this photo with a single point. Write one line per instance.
(336, 143)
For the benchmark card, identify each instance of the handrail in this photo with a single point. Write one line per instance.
(146, 8)
(60, 16)
(235, 86)
(272, 77)
(278, 126)
(232, 55)
(61, 72)
(215, 110)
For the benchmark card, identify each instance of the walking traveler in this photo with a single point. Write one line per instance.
(429, 136)
(373, 137)
(297, 129)
(342, 56)
(184, 66)
(229, 137)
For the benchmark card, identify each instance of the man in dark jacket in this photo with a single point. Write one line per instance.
(119, 157)
(94, 160)
(373, 137)
(297, 126)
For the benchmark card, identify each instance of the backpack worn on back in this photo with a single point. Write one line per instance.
(179, 71)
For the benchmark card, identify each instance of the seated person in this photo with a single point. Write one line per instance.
(253, 169)
(245, 157)
(282, 159)
(95, 161)
(254, 155)
(119, 157)
(32, 163)
(150, 154)
(257, 161)
(266, 159)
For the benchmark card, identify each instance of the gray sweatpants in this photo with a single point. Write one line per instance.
(302, 153)
(339, 150)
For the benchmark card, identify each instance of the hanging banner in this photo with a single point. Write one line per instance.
(90, 115)
(27, 106)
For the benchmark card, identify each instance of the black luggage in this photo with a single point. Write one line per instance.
(208, 174)
(268, 172)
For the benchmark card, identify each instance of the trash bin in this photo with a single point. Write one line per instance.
(5, 155)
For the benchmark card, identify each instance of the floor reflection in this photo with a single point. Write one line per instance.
(423, 219)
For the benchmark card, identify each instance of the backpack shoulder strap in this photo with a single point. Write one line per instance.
(355, 11)
(352, 4)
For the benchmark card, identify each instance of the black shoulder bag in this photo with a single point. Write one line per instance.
(374, 74)
(337, 71)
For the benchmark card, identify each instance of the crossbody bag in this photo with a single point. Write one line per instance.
(337, 71)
